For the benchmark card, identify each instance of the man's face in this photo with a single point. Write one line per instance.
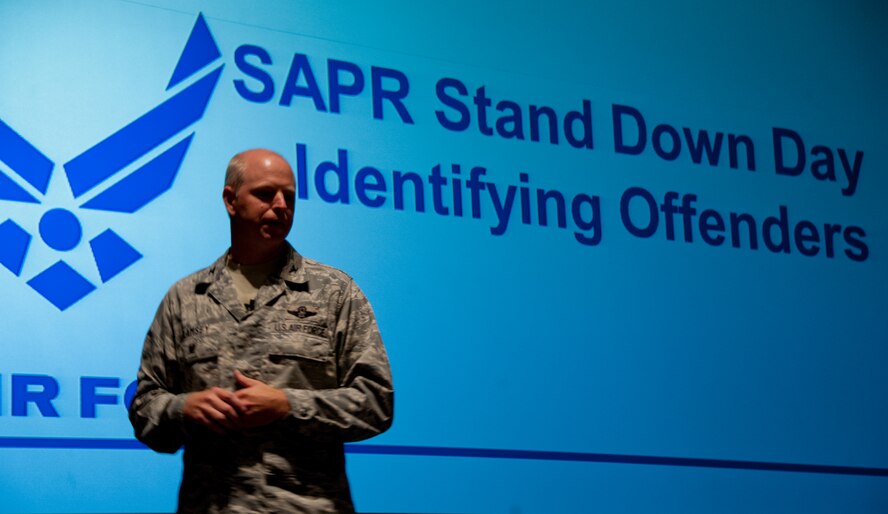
(261, 208)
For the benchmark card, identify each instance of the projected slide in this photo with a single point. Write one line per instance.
(624, 257)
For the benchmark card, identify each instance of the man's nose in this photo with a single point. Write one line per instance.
(279, 201)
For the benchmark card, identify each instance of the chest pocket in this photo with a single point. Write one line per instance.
(302, 361)
(201, 364)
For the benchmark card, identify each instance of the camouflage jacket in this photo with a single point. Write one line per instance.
(313, 335)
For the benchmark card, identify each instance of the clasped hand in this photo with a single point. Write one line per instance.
(256, 404)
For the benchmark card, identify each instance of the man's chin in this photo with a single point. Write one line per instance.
(274, 232)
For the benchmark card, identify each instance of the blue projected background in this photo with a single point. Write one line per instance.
(625, 256)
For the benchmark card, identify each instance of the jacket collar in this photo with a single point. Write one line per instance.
(216, 282)
(292, 273)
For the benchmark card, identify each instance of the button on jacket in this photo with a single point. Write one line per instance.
(311, 333)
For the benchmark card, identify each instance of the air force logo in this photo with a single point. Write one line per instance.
(164, 126)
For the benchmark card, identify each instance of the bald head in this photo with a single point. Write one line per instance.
(257, 158)
(259, 193)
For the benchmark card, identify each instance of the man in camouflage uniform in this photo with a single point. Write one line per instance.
(262, 365)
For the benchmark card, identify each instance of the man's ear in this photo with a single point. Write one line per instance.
(228, 196)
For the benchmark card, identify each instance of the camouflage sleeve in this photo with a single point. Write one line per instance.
(363, 404)
(156, 410)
